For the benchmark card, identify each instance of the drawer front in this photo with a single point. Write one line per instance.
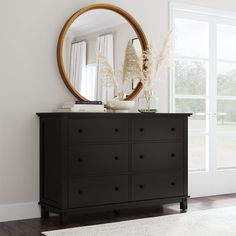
(92, 159)
(86, 130)
(151, 156)
(157, 129)
(98, 190)
(153, 186)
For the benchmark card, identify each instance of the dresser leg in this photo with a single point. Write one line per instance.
(64, 219)
(44, 212)
(184, 204)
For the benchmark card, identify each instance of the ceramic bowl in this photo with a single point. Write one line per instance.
(120, 106)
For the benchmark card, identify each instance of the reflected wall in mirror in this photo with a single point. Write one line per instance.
(96, 28)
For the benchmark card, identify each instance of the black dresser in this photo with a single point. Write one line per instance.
(93, 162)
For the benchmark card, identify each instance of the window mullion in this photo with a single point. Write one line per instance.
(212, 88)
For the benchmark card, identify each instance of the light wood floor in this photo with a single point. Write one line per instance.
(34, 227)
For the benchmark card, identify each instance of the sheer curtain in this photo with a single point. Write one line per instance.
(78, 64)
(89, 86)
(105, 46)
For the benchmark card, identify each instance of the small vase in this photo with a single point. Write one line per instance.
(148, 102)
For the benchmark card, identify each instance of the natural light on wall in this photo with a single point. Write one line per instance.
(204, 83)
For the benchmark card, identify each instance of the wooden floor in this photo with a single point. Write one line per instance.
(34, 227)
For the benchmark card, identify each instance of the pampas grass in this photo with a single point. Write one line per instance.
(131, 70)
(153, 64)
(145, 69)
(106, 70)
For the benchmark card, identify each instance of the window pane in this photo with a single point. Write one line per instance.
(226, 38)
(196, 153)
(226, 79)
(226, 134)
(191, 38)
(190, 77)
(197, 122)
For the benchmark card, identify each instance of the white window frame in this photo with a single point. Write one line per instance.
(229, 19)
(214, 181)
(213, 17)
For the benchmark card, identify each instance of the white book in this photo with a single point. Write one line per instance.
(88, 109)
(82, 106)
(81, 110)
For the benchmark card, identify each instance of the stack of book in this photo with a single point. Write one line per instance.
(82, 106)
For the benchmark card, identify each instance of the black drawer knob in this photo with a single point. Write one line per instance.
(141, 186)
(141, 129)
(80, 192)
(141, 157)
(172, 129)
(117, 158)
(80, 131)
(117, 130)
(173, 183)
(117, 189)
(172, 154)
(80, 160)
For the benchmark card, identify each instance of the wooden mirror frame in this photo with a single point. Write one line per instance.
(135, 25)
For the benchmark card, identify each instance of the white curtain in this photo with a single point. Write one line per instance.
(106, 47)
(89, 86)
(78, 64)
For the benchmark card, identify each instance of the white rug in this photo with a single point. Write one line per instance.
(212, 222)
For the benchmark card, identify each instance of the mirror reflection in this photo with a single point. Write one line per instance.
(97, 30)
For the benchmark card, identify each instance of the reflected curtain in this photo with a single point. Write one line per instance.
(78, 64)
(89, 86)
(105, 45)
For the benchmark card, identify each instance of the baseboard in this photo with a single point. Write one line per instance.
(19, 211)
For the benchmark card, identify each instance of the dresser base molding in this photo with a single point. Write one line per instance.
(65, 213)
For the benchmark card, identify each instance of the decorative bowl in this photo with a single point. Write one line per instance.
(120, 106)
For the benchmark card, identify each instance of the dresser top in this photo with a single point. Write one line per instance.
(113, 115)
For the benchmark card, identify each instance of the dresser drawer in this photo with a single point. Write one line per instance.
(98, 190)
(151, 156)
(157, 129)
(90, 130)
(151, 186)
(92, 159)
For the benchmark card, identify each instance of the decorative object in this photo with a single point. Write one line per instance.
(80, 23)
(131, 71)
(152, 66)
(120, 106)
(81, 106)
(148, 102)
(144, 70)
(91, 162)
(213, 222)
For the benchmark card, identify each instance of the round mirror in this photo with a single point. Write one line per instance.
(102, 28)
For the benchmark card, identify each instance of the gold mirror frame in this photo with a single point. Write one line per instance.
(135, 25)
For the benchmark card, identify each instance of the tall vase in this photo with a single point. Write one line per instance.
(148, 102)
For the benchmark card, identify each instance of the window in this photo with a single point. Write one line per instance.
(204, 83)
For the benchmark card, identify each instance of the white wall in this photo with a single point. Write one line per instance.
(30, 81)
